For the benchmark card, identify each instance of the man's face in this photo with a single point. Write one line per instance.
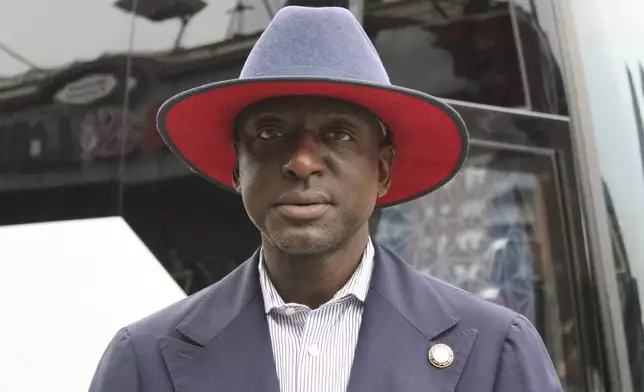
(310, 170)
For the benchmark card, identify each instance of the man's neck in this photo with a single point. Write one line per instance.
(313, 280)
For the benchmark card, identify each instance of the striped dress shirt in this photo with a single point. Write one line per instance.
(314, 348)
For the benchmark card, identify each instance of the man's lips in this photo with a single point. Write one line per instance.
(303, 211)
(303, 198)
(303, 205)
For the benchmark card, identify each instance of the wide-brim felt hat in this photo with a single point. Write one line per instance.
(318, 52)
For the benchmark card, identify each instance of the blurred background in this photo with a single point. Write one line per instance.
(546, 218)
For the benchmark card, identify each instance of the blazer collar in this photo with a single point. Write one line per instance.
(405, 289)
(404, 316)
(223, 303)
(411, 294)
(224, 337)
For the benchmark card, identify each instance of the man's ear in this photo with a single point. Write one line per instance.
(386, 161)
(235, 173)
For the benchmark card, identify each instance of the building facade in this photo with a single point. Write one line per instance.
(545, 217)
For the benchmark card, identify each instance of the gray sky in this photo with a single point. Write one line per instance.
(54, 33)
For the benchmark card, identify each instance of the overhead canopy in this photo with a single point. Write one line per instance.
(159, 10)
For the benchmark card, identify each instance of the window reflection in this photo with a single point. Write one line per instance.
(482, 51)
(72, 129)
(462, 50)
(489, 231)
(629, 295)
(537, 40)
(62, 123)
(198, 231)
(61, 37)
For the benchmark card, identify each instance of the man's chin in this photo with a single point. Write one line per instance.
(304, 241)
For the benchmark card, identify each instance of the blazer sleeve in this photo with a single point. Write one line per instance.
(117, 370)
(525, 365)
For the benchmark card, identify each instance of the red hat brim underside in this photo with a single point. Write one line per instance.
(429, 137)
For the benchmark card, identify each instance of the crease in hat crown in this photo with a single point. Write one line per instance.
(315, 42)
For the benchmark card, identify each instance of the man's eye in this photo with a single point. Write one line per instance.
(340, 135)
(269, 133)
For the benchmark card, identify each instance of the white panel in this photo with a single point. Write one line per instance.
(65, 290)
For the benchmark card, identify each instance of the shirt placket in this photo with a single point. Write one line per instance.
(292, 334)
(310, 352)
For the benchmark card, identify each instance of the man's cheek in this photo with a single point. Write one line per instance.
(248, 172)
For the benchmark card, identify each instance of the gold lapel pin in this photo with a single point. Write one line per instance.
(441, 355)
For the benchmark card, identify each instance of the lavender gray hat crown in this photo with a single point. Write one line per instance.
(322, 42)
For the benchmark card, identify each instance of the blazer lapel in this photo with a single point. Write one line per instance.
(224, 344)
(404, 317)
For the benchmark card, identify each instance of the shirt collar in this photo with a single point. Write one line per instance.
(357, 286)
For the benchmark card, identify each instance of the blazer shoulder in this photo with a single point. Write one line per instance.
(473, 311)
(164, 321)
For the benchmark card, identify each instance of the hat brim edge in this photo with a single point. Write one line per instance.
(429, 99)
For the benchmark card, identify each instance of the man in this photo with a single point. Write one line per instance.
(307, 136)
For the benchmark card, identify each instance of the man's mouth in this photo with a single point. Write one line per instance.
(303, 211)
(303, 205)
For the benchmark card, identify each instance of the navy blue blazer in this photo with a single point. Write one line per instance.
(218, 340)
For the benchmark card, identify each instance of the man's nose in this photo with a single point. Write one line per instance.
(305, 160)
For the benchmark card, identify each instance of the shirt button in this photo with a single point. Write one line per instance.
(314, 350)
(289, 311)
